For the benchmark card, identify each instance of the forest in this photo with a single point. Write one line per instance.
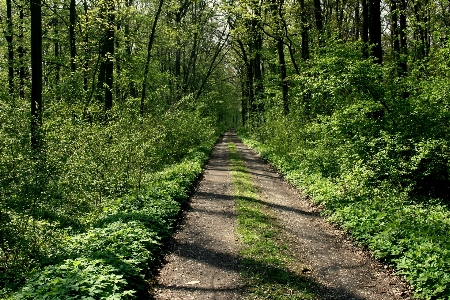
(110, 108)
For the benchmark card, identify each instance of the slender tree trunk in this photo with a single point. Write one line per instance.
(365, 28)
(101, 71)
(36, 74)
(244, 99)
(9, 40)
(375, 30)
(395, 32)
(129, 3)
(277, 13)
(402, 37)
(319, 21)
(119, 60)
(86, 50)
(305, 33)
(251, 90)
(109, 62)
(357, 21)
(283, 76)
(212, 64)
(421, 31)
(248, 94)
(149, 50)
(256, 61)
(178, 61)
(73, 49)
(56, 47)
(21, 51)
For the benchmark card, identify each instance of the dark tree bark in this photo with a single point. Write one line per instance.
(248, 103)
(149, 50)
(402, 37)
(21, 53)
(36, 74)
(109, 62)
(129, 3)
(256, 37)
(421, 33)
(86, 41)
(365, 28)
(257, 72)
(56, 47)
(277, 13)
(179, 15)
(9, 40)
(128, 50)
(283, 76)
(101, 72)
(357, 23)
(73, 49)
(319, 21)
(395, 31)
(375, 30)
(289, 45)
(244, 99)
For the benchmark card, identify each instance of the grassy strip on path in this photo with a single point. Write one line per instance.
(264, 257)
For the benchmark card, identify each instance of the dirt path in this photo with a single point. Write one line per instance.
(204, 265)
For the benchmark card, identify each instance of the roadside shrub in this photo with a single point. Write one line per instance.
(129, 247)
(79, 278)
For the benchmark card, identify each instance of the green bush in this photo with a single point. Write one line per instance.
(79, 278)
(129, 247)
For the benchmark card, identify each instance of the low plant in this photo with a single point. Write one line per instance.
(79, 278)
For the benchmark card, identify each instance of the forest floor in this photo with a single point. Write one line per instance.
(204, 263)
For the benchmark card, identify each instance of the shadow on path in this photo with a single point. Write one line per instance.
(270, 275)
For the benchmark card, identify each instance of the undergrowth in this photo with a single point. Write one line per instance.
(264, 258)
(112, 258)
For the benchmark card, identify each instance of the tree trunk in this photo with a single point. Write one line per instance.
(395, 31)
(101, 71)
(36, 74)
(244, 99)
(9, 40)
(248, 94)
(56, 47)
(86, 40)
(283, 76)
(149, 50)
(375, 31)
(73, 49)
(421, 30)
(256, 61)
(402, 37)
(319, 22)
(357, 21)
(109, 62)
(365, 28)
(21, 51)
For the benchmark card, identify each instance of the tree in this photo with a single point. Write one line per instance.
(109, 59)
(36, 74)
(151, 40)
(9, 40)
(375, 30)
(72, 40)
